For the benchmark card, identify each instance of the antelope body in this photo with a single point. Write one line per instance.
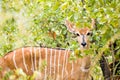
(57, 63)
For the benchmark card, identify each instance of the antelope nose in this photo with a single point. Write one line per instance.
(83, 44)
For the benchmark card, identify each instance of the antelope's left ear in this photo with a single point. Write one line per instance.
(71, 27)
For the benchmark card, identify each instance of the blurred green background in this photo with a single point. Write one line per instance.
(41, 23)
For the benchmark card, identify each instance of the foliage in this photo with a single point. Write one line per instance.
(41, 23)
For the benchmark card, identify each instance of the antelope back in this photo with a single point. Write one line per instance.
(50, 63)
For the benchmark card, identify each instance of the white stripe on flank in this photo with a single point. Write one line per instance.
(32, 67)
(72, 68)
(54, 61)
(39, 59)
(39, 64)
(59, 60)
(24, 60)
(35, 59)
(14, 60)
(50, 61)
(64, 63)
(46, 63)
(72, 63)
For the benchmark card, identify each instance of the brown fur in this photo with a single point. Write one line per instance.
(77, 73)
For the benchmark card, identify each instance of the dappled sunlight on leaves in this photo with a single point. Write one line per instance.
(41, 23)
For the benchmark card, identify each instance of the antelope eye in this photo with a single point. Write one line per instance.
(89, 34)
(77, 34)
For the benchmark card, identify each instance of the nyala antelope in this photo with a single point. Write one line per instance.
(58, 65)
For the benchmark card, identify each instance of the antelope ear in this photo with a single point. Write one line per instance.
(71, 27)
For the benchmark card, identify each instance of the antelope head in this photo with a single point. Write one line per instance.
(82, 34)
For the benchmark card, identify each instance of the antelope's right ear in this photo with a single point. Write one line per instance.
(70, 26)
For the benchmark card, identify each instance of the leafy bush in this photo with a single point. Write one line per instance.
(41, 23)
